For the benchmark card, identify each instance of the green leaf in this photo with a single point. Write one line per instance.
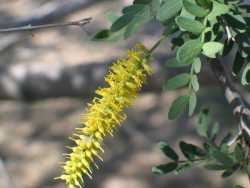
(177, 81)
(177, 41)
(169, 9)
(185, 13)
(215, 166)
(133, 9)
(221, 157)
(211, 49)
(230, 171)
(142, 1)
(190, 150)
(195, 9)
(103, 34)
(245, 7)
(177, 107)
(204, 3)
(107, 35)
(195, 83)
(189, 50)
(203, 121)
(226, 139)
(197, 65)
(239, 152)
(111, 16)
(139, 19)
(245, 76)
(214, 131)
(171, 27)
(164, 168)
(235, 21)
(156, 5)
(224, 148)
(244, 44)
(168, 151)
(192, 104)
(121, 22)
(183, 167)
(217, 10)
(173, 63)
(189, 25)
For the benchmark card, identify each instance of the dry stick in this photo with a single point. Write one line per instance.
(46, 26)
(239, 106)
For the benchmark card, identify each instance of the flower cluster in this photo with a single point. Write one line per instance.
(105, 113)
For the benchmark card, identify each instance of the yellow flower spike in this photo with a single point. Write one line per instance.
(98, 136)
(86, 164)
(105, 114)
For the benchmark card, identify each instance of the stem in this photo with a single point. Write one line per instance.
(205, 31)
(190, 89)
(45, 26)
(157, 44)
(194, 160)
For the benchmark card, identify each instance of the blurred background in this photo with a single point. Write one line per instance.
(46, 79)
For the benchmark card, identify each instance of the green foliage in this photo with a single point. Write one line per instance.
(168, 151)
(211, 49)
(208, 29)
(178, 106)
(169, 9)
(189, 50)
(178, 81)
(217, 10)
(211, 155)
(192, 103)
(121, 22)
(195, 9)
(132, 19)
(164, 168)
(173, 63)
(189, 25)
(203, 122)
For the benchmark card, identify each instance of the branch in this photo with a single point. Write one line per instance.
(240, 108)
(46, 26)
(49, 12)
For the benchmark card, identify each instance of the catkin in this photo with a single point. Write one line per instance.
(125, 78)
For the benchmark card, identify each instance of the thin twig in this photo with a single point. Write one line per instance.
(46, 26)
(157, 44)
